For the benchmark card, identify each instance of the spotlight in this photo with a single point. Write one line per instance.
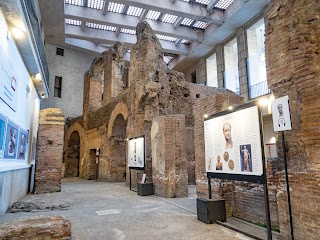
(205, 116)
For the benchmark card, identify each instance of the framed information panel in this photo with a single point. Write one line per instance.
(233, 146)
(136, 152)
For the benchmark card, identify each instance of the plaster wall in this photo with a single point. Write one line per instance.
(14, 174)
(13, 186)
(71, 67)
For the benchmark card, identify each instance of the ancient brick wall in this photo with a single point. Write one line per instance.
(169, 162)
(114, 68)
(293, 60)
(49, 151)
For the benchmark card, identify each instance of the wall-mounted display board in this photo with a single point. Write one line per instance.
(233, 147)
(11, 141)
(22, 145)
(8, 81)
(3, 121)
(136, 152)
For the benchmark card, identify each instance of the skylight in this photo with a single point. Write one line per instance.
(115, 7)
(73, 22)
(167, 59)
(186, 21)
(168, 18)
(75, 2)
(96, 4)
(184, 41)
(205, 2)
(128, 31)
(153, 15)
(166, 38)
(224, 4)
(134, 11)
(200, 24)
(102, 27)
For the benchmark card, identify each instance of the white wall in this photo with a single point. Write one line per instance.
(71, 67)
(16, 172)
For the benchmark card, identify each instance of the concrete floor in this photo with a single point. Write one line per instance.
(124, 214)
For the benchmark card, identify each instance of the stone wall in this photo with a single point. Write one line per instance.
(169, 162)
(293, 60)
(49, 151)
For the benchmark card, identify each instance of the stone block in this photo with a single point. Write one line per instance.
(211, 211)
(37, 228)
(145, 189)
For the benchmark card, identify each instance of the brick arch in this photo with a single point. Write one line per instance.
(68, 148)
(74, 127)
(120, 108)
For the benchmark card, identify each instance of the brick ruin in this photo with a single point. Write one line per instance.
(49, 151)
(120, 105)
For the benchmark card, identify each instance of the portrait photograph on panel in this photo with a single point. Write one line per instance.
(10, 150)
(233, 143)
(2, 133)
(22, 145)
(245, 158)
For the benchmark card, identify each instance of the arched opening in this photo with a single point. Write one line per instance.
(72, 157)
(118, 149)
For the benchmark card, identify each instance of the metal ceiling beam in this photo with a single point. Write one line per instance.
(211, 5)
(90, 46)
(130, 22)
(102, 36)
(143, 14)
(179, 8)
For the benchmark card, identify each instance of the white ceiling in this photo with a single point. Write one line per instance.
(187, 29)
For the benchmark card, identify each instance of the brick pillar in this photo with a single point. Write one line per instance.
(220, 66)
(292, 57)
(242, 64)
(49, 151)
(169, 162)
(114, 67)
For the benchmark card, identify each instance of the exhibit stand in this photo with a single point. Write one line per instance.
(136, 161)
(233, 150)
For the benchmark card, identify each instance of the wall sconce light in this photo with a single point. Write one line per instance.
(9, 34)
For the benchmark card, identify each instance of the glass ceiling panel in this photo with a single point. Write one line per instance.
(167, 59)
(153, 15)
(115, 7)
(73, 22)
(187, 21)
(184, 41)
(168, 18)
(128, 31)
(200, 24)
(134, 11)
(205, 2)
(166, 38)
(102, 27)
(75, 2)
(224, 4)
(96, 4)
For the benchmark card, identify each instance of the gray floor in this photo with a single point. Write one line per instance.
(100, 210)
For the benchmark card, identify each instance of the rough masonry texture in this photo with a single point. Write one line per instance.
(49, 151)
(37, 228)
(169, 162)
(127, 109)
(293, 60)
